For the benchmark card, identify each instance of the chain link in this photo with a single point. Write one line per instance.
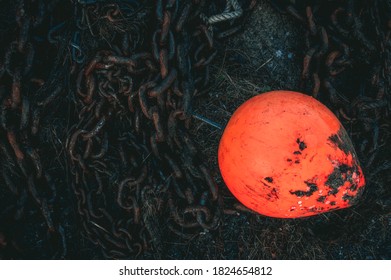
(22, 168)
(114, 112)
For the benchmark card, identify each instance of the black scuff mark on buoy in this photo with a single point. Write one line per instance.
(321, 199)
(342, 173)
(312, 188)
(273, 195)
(353, 187)
(250, 188)
(335, 180)
(343, 168)
(342, 141)
(269, 179)
(333, 192)
(297, 153)
(302, 144)
(268, 186)
(316, 209)
(347, 197)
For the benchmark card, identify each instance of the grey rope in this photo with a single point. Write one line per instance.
(232, 10)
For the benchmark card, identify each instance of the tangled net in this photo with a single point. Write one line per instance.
(96, 102)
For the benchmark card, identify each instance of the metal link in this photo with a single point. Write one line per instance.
(121, 143)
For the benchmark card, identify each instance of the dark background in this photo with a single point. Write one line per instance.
(267, 53)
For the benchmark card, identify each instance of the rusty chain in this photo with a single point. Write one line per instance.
(96, 102)
(151, 94)
(31, 187)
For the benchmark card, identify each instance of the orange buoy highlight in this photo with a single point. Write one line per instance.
(284, 154)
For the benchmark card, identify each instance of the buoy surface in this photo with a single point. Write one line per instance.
(284, 154)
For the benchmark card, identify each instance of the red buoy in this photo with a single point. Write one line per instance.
(284, 154)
